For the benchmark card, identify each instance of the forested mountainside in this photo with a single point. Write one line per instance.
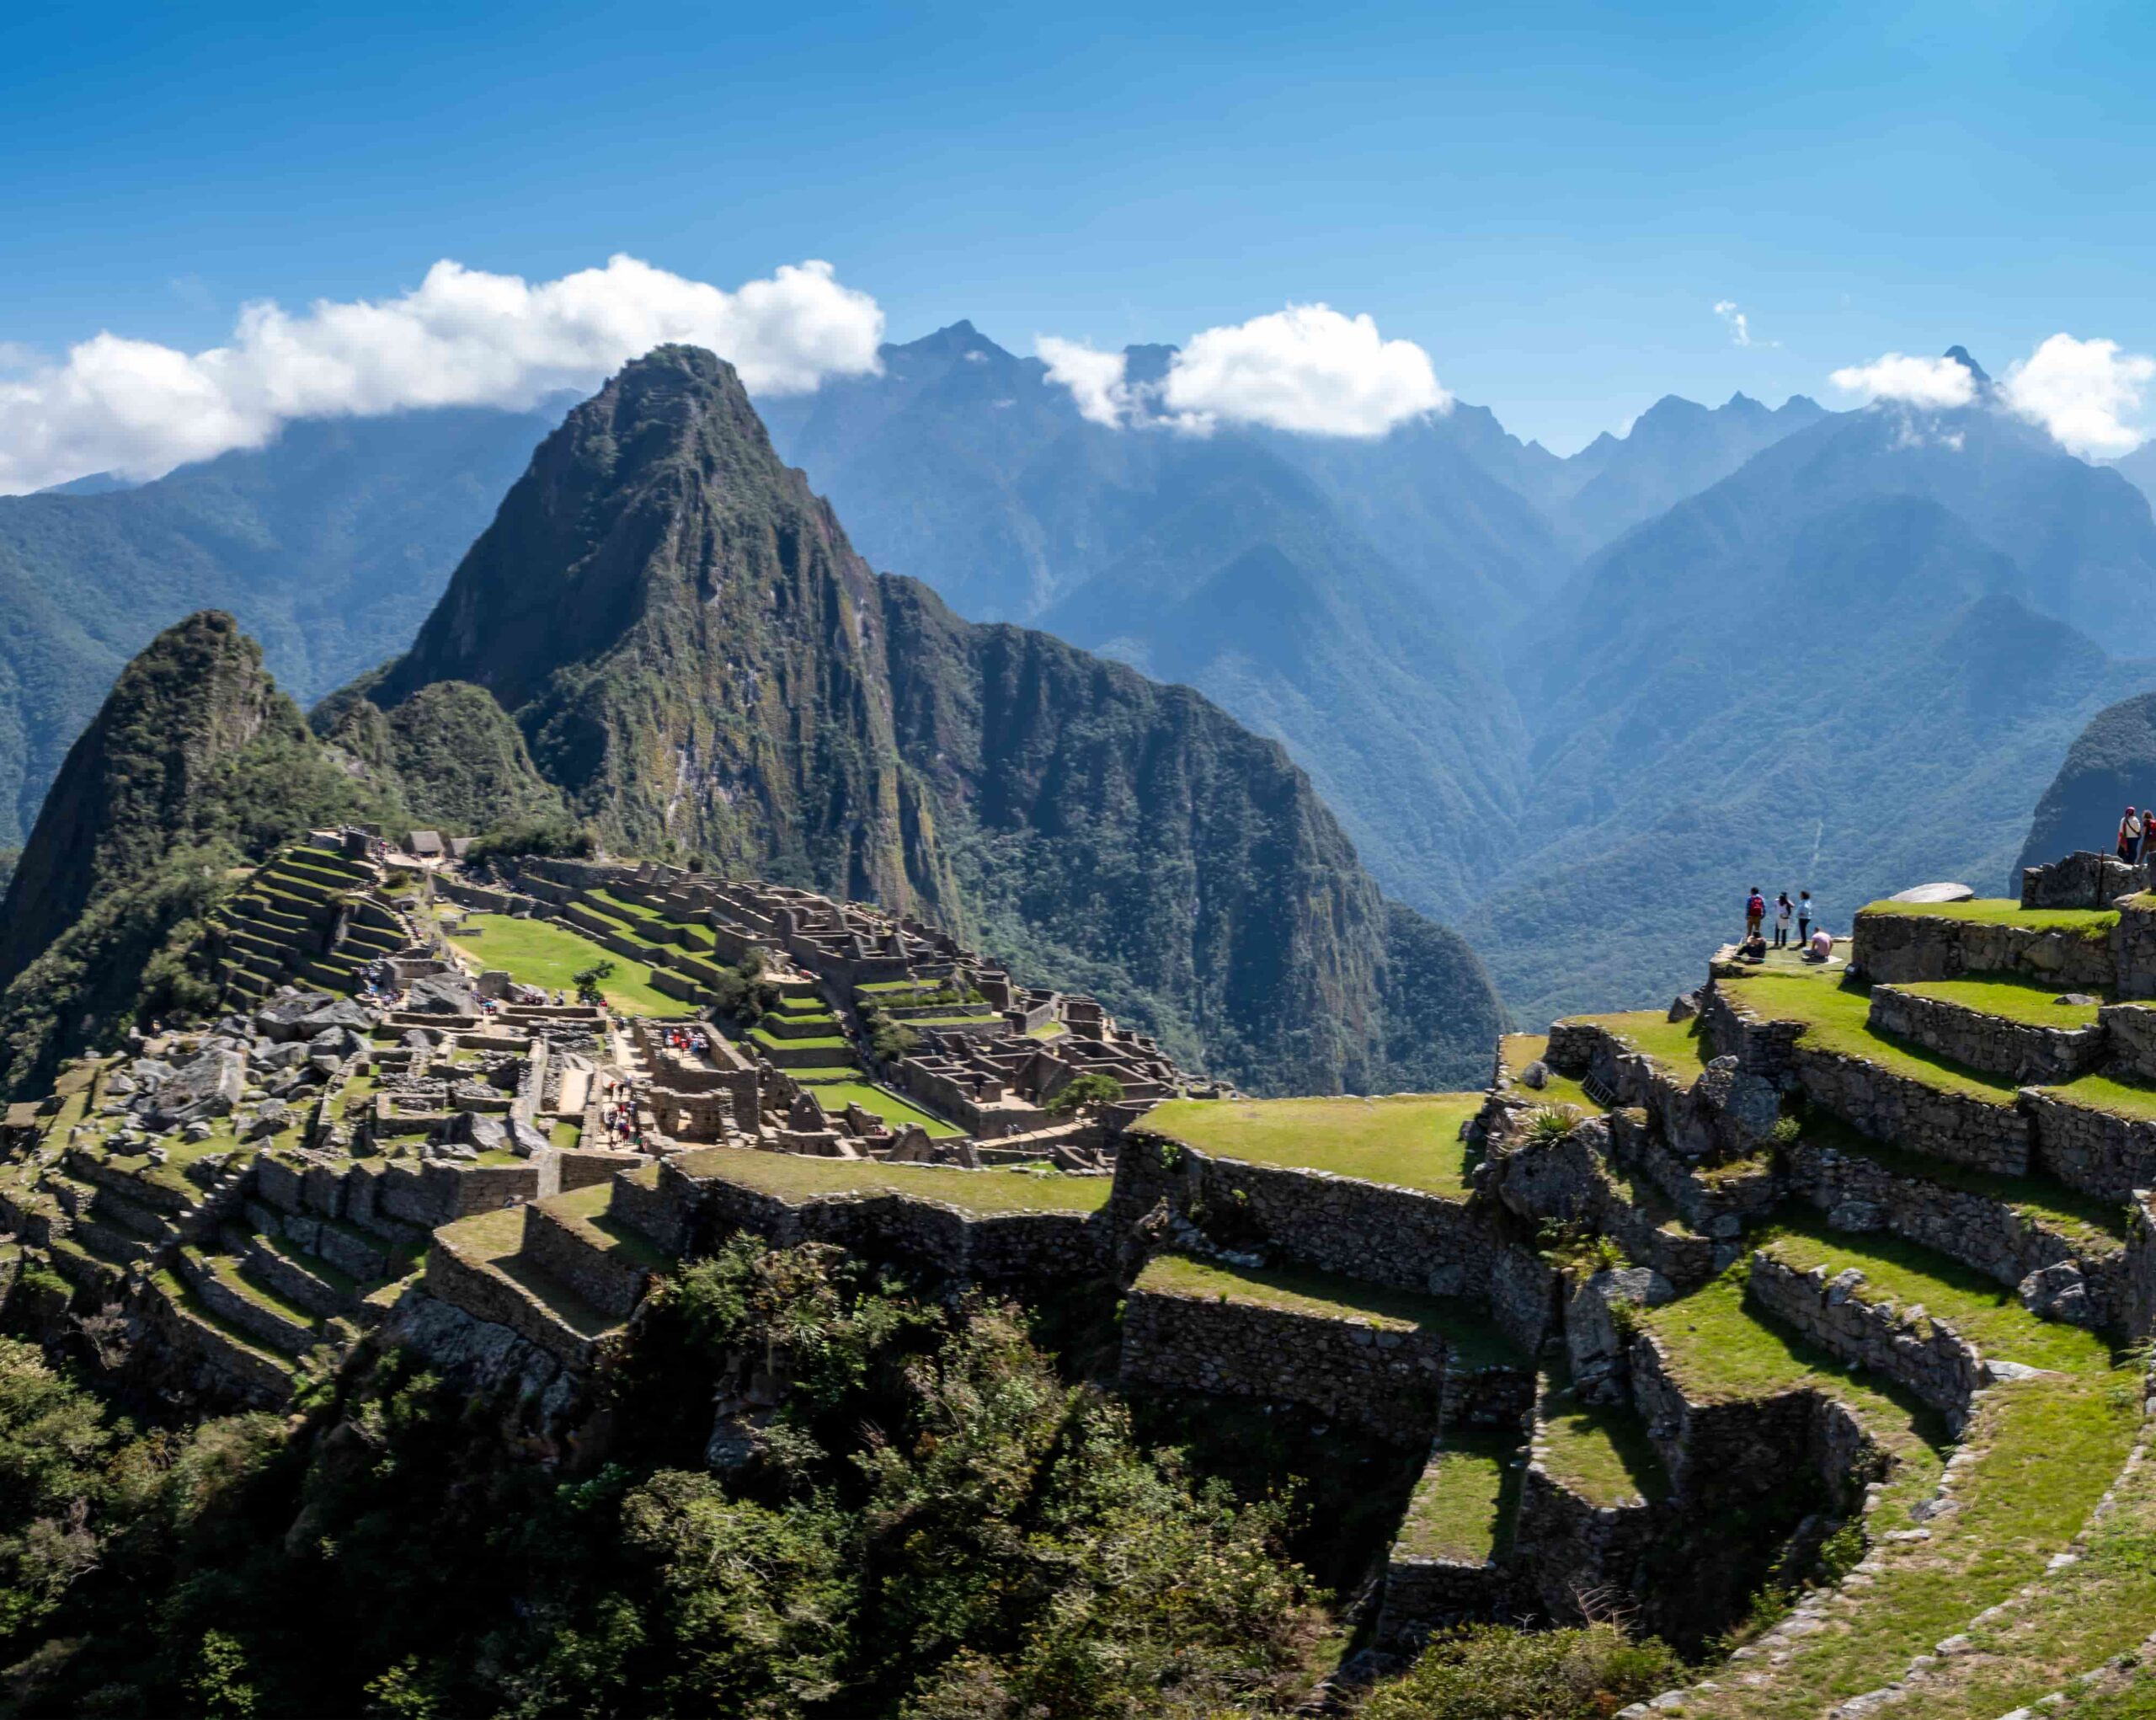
(2110, 766)
(701, 663)
(329, 546)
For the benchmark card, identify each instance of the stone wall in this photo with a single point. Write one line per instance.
(2129, 1035)
(995, 1247)
(1404, 1238)
(2081, 880)
(1567, 1181)
(1860, 1194)
(1386, 1378)
(1567, 1549)
(1898, 948)
(2134, 947)
(1925, 1355)
(1766, 1048)
(1957, 1127)
(2140, 1273)
(2096, 1153)
(606, 1277)
(2021, 1050)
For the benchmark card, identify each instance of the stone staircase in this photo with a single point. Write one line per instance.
(306, 916)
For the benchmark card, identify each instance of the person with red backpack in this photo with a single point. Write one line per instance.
(1755, 910)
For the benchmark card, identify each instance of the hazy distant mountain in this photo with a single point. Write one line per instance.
(1850, 665)
(2110, 766)
(329, 546)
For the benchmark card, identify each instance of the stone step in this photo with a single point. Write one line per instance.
(254, 1369)
(280, 1266)
(578, 1241)
(264, 1315)
(474, 1264)
(2000, 1027)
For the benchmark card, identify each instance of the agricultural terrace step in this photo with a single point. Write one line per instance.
(2074, 948)
(2002, 1027)
(475, 1264)
(268, 1318)
(577, 1239)
(2038, 1454)
(1598, 1452)
(1408, 1140)
(1446, 1563)
(186, 1320)
(794, 1178)
(1515, 1053)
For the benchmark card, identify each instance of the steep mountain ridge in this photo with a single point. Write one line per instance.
(701, 662)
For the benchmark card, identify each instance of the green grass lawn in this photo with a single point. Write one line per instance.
(1677, 1045)
(565, 1135)
(1463, 1326)
(836, 1096)
(1047, 1030)
(540, 953)
(820, 1043)
(1463, 1506)
(2095, 922)
(795, 1177)
(1834, 1019)
(2011, 999)
(821, 1073)
(1600, 1452)
(1410, 1140)
(1518, 1051)
(1983, 1311)
(2099, 1093)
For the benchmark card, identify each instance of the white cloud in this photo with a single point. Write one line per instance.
(461, 337)
(1307, 368)
(1932, 382)
(1095, 378)
(2082, 392)
(1740, 327)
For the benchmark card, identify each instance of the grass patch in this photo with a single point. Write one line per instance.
(836, 1096)
(1410, 1140)
(2093, 923)
(2099, 1093)
(795, 1177)
(835, 1072)
(2045, 1449)
(565, 1135)
(1464, 1506)
(1983, 1311)
(1462, 1325)
(1834, 1020)
(1047, 1030)
(1515, 1051)
(540, 953)
(1599, 1451)
(2010, 1000)
(1678, 1045)
(772, 1042)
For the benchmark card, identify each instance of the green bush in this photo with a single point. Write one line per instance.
(1092, 1088)
(1490, 1672)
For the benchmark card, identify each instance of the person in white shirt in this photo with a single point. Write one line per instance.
(1806, 912)
(1784, 907)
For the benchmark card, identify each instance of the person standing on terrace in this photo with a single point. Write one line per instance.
(1805, 914)
(1784, 908)
(2129, 835)
(1755, 910)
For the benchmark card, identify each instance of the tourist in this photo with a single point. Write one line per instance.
(1805, 912)
(1823, 946)
(2148, 837)
(1754, 947)
(1755, 910)
(1784, 908)
(2130, 835)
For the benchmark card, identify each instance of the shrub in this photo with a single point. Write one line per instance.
(1551, 1123)
(1492, 1671)
(1090, 1089)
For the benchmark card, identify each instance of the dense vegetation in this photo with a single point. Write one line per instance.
(702, 664)
(934, 1523)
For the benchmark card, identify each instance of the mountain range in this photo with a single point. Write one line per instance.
(1576, 707)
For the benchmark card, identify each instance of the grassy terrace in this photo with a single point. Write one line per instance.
(1463, 1326)
(1463, 1508)
(587, 1212)
(827, 1042)
(1983, 1311)
(540, 953)
(837, 1095)
(1517, 1050)
(1599, 1451)
(794, 1177)
(2086, 1221)
(2011, 999)
(1411, 1140)
(823, 1073)
(2045, 1449)
(1834, 1017)
(1678, 1046)
(2099, 1093)
(2093, 922)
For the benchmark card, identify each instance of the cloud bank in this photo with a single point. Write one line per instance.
(462, 337)
(2083, 392)
(1307, 368)
(1935, 383)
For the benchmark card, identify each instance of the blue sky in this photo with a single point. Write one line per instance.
(1550, 200)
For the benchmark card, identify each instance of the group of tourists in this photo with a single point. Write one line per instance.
(692, 1040)
(1815, 945)
(2137, 836)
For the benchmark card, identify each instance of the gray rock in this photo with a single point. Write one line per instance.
(151, 1072)
(274, 1116)
(441, 993)
(1854, 1216)
(2058, 1292)
(1685, 1006)
(288, 1055)
(210, 1086)
(1935, 893)
(196, 1132)
(343, 1014)
(1536, 1075)
(1745, 1107)
(524, 1141)
(280, 1018)
(480, 1131)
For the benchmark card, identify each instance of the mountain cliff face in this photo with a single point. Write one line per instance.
(194, 764)
(2110, 766)
(700, 662)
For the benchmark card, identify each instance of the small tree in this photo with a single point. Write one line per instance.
(589, 979)
(1092, 1088)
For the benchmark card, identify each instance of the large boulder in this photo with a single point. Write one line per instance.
(339, 1012)
(441, 993)
(208, 1086)
(280, 1018)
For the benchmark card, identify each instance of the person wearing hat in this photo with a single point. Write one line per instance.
(2130, 835)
